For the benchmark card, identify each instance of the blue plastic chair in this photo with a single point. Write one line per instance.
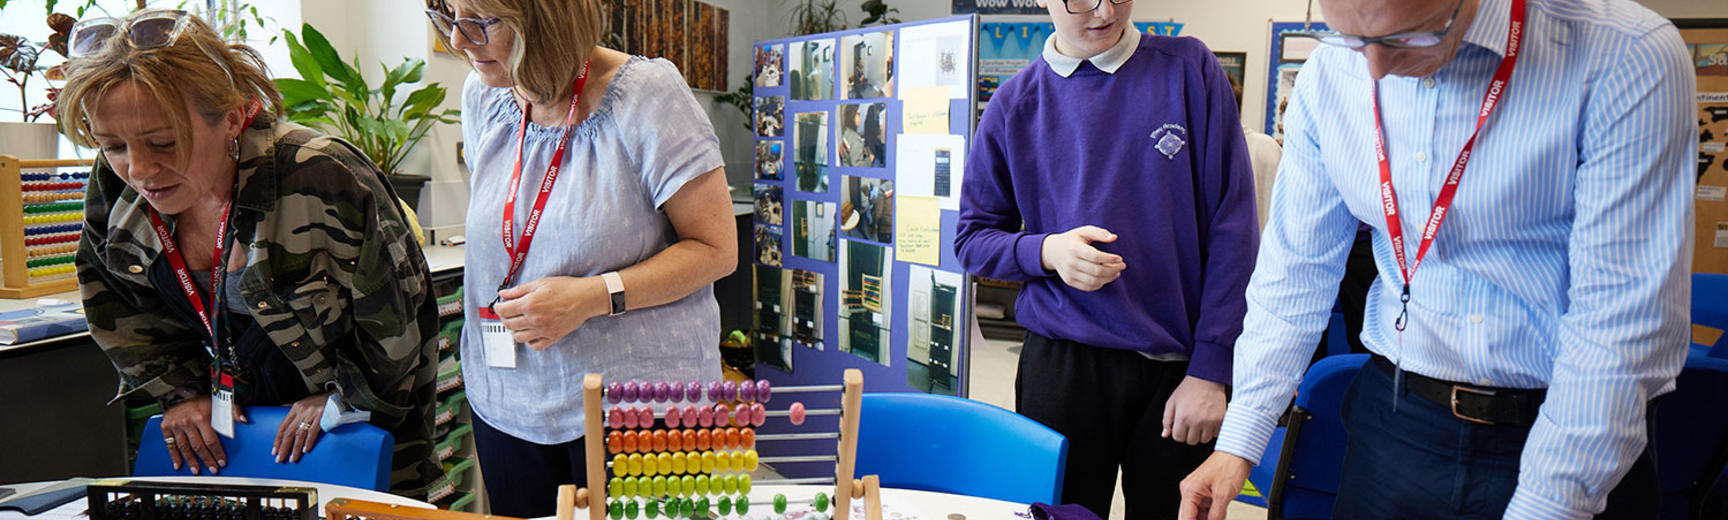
(959, 446)
(1691, 443)
(1305, 482)
(354, 455)
(1710, 307)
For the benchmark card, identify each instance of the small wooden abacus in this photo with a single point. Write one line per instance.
(41, 218)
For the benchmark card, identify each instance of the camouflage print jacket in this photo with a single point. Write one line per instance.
(333, 277)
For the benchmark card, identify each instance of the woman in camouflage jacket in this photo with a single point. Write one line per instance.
(327, 305)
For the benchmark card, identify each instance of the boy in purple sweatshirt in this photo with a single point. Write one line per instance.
(1111, 176)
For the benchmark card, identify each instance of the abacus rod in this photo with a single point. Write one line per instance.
(796, 436)
(808, 388)
(819, 411)
(795, 481)
(800, 458)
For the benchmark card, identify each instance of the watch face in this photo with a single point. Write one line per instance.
(618, 303)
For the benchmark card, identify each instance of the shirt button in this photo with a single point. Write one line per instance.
(263, 305)
(1475, 318)
(1428, 82)
(135, 269)
(1485, 382)
(1421, 157)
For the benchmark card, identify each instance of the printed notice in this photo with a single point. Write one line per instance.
(1712, 193)
(1722, 234)
(918, 230)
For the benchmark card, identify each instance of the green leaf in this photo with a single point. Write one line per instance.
(325, 55)
(303, 61)
(295, 90)
(415, 68)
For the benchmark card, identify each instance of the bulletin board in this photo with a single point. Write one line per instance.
(1707, 42)
(861, 140)
(1285, 58)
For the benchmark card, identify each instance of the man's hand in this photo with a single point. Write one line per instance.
(1194, 412)
(1207, 492)
(1079, 264)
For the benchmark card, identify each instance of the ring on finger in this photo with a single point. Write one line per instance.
(168, 440)
(305, 425)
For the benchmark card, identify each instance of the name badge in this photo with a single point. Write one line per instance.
(500, 347)
(222, 411)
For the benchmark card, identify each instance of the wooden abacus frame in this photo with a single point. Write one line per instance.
(14, 263)
(846, 488)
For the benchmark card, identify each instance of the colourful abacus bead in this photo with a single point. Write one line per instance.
(620, 464)
(656, 441)
(703, 439)
(747, 391)
(729, 390)
(673, 418)
(724, 504)
(702, 485)
(705, 417)
(708, 463)
(758, 414)
(617, 510)
(688, 483)
(751, 460)
(632, 391)
(693, 391)
(743, 503)
(714, 391)
(662, 392)
(691, 415)
(664, 461)
(729, 484)
(630, 441)
(722, 462)
(779, 504)
(643, 464)
(763, 391)
(747, 438)
(796, 413)
(645, 417)
(678, 463)
(631, 509)
(744, 484)
(702, 507)
(690, 440)
(615, 487)
(821, 502)
(632, 486)
(722, 415)
(658, 486)
(743, 415)
(733, 439)
(738, 461)
(615, 392)
(614, 441)
(652, 508)
(615, 418)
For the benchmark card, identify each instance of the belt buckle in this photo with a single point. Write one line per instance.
(1461, 388)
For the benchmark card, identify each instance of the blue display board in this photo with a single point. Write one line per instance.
(1285, 58)
(835, 176)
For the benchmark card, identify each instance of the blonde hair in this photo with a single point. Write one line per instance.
(553, 39)
(216, 75)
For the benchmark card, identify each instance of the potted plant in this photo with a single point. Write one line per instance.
(21, 61)
(382, 122)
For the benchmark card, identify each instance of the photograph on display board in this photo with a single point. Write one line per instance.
(768, 210)
(865, 270)
(805, 326)
(934, 330)
(1287, 52)
(813, 230)
(812, 74)
(770, 160)
(771, 116)
(942, 57)
(810, 151)
(867, 66)
(1235, 66)
(1286, 83)
(768, 245)
(771, 318)
(867, 209)
(770, 65)
(1711, 58)
(863, 135)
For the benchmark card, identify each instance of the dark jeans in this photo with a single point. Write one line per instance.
(1421, 462)
(1110, 405)
(522, 477)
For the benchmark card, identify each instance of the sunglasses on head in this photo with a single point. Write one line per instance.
(146, 30)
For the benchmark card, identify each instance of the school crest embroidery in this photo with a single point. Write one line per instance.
(1169, 139)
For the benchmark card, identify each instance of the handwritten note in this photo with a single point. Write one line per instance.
(925, 110)
(918, 230)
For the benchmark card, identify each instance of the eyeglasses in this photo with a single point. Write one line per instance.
(474, 29)
(1087, 6)
(146, 30)
(1408, 40)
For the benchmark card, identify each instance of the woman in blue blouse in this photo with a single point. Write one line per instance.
(609, 268)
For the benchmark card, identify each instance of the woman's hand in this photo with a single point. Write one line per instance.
(543, 311)
(299, 429)
(187, 433)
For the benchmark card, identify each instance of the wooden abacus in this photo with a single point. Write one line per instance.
(597, 440)
(41, 218)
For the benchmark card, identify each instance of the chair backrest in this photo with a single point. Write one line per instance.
(1710, 307)
(960, 446)
(1691, 443)
(355, 455)
(1306, 482)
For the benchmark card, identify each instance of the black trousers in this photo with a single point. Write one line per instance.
(522, 477)
(1110, 405)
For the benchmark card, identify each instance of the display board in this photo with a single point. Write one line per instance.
(1707, 41)
(1287, 54)
(1006, 48)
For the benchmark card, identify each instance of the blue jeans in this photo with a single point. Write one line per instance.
(1421, 462)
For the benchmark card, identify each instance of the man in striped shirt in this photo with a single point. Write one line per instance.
(1526, 331)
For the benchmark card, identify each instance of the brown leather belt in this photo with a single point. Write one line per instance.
(1473, 403)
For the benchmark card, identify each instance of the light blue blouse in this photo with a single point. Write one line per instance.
(647, 138)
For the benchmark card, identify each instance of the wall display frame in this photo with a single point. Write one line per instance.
(844, 120)
(1707, 41)
(1006, 48)
(689, 33)
(1287, 52)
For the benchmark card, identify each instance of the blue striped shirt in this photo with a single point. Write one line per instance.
(1566, 261)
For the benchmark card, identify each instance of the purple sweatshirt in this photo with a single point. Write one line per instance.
(1153, 153)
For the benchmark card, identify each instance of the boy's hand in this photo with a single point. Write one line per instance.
(1079, 264)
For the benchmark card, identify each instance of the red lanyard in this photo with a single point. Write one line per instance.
(518, 254)
(218, 268)
(1442, 203)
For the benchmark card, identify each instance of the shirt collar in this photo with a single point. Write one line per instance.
(1108, 61)
(1490, 27)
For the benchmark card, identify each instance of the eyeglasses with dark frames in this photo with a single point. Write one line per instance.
(1406, 40)
(1087, 6)
(474, 29)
